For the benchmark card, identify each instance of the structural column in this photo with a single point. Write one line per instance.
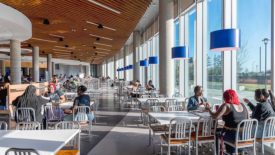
(136, 43)
(15, 60)
(35, 64)
(53, 68)
(49, 66)
(166, 40)
(27, 71)
(106, 67)
(115, 75)
(88, 70)
(3, 67)
(124, 60)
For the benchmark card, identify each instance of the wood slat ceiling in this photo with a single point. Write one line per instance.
(68, 18)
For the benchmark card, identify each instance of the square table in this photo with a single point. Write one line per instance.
(45, 142)
(161, 100)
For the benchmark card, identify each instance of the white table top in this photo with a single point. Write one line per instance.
(161, 100)
(165, 117)
(45, 142)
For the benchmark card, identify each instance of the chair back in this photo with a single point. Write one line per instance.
(175, 108)
(53, 113)
(161, 96)
(3, 125)
(269, 128)
(67, 125)
(81, 113)
(180, 129)
(157, 109)
(206, 127)
(152, 102)
(70, 97)
(28, 126)
(145, 96)
(25, 115)
(171, 102)
(246, 130)
(177, 95)
(20, 151)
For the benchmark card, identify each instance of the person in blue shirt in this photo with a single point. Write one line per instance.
(81, 100)
(197, 100)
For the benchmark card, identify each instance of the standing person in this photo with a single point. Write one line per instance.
(81, 100)
(4, 92)
(30, 99)
(262, 110)
(232, 112)
(197, 100)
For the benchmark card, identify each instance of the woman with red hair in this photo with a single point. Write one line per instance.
(232, 112)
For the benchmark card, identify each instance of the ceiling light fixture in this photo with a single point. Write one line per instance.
(102, 44)
(58, 36)
(46, 40)
(66, 47)
(100, 25)
(101, 37)
(105, 6)
(61, 50)
(103, 49)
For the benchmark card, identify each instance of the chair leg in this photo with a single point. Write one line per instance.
(236, 150)
(254, 148)
(215, 148)
(262, 148)
(189, 150)
(169, 149)
(197, 147)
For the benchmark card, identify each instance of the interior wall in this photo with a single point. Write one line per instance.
(68, 70)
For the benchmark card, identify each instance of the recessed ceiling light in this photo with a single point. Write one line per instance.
(101, 37)
(46, 40)
(84, 29)
(102, 44)
(100, 25)
(105, 6)
(84, 45)
(73, 30)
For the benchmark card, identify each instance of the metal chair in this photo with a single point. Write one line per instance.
(161, 96)
(53, 114)
(205, 132)
(245, 135)
(152, 102)
(175, 108)
(3, 125)
(179, 134)
(25, 114)
(268, 132)
(70, 97)
(177, 94)
(157, 109)
(145, 96)
(20, 151)
(28, 126)
(80, 114)
(67, 125)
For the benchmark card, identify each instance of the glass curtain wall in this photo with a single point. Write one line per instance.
(253, 59)
(214, 59)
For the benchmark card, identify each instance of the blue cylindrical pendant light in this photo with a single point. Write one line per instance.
(179, 52)
(153, 60)
(143, 63)
(225, 40)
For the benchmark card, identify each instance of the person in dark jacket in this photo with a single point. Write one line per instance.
(197, 100)
(262, 110)
(29, 99)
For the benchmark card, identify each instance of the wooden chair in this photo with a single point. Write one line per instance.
(245, 135)
(179, 134)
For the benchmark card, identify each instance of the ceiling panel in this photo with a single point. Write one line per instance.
(68, 20)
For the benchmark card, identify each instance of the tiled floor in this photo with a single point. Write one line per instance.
(116, 132)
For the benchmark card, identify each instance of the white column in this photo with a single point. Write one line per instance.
(106, 67)
(124, 61)
(53, 68)
(115, 72)
(35, 64)
(88, 70)
(199, 45)
(136, 43)
(166, 40)
(183, 84)
(229, 57)
(15, 60)
(49, 66)
(273, 46)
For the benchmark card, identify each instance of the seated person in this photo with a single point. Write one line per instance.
(54, 95)
(197, 100)
(81, 100)
(4, 92)
(150, 85)
(232, 112)
(262, 110)
(29, 99)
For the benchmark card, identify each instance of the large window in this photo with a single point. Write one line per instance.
(177, 62)
(253, 59)
(190, 42)
(214, 59)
